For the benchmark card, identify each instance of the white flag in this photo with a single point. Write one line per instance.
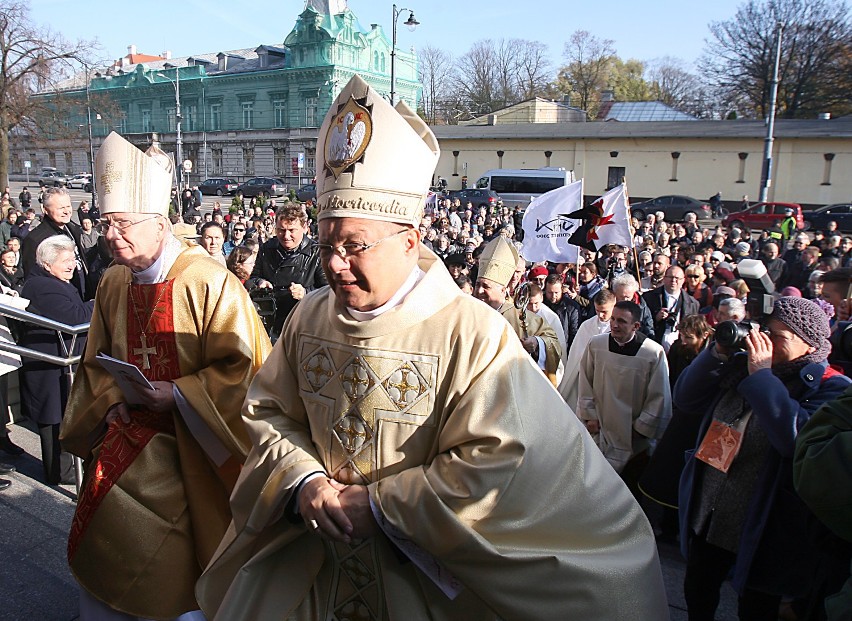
(546, 227)
(613, 225)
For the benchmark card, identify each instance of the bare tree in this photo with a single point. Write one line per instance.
(672, 83)
(475, 77)
(30, 59)
(585, 74)
(813, 75)
(534, 70)
(436, 71)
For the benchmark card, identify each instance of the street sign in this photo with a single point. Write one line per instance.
(187, 165)
(28, 164)
(301, 160)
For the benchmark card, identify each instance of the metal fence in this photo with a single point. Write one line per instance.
(66, 361)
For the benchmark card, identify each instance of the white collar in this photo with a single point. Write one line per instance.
(159, 269)
(396, 299)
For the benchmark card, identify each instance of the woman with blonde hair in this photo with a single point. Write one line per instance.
(696, 287)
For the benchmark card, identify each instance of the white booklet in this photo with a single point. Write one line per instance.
(128, 377)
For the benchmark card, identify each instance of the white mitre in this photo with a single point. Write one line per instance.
(375, 161)
(498, 261)
(131, 181)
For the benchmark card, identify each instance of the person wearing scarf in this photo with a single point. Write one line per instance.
(749, 519)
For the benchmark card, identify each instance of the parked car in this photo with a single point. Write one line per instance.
(307, 193)
(674, 206)
(268, 186)
(763, 216)
(218, 186)
(477, 197)
(52, 178)
(818, 219)
(83, 181)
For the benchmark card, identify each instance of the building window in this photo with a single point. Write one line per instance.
(310, 162)
(383, 62)
(826, 172)
(215, 117)
(170, 119)
(615, 176)
(190, 113)
(311, 105)
(280, 154)
(248, 160)
(217, 160)
(69, 162)
(375, 61)
(247, 108)
(741, 175)
(279, 111)
(146, 120)
(51, 157)
(675, 159)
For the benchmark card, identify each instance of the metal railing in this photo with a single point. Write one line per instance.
(67, 361)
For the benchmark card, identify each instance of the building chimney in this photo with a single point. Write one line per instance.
(131, 50)
(607, 95)
(167, 54)
(566, 99)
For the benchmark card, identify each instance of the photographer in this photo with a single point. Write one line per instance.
(737, 505)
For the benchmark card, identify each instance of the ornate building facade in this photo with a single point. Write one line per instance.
(243, 113)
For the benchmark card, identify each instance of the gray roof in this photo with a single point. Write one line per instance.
(239, 61)
(784, 128)
(634, 111)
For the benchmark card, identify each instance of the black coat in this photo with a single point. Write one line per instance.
(44, 387)
(302, 266)
(13, 281)
(656, 299)
(48, 228)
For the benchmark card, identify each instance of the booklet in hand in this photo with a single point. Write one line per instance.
(128, 377)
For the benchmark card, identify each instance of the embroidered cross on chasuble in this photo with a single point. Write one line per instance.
(151, 339)
(358, 393)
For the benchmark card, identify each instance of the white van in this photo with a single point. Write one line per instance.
(520, 186)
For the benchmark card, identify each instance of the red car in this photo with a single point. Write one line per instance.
(763, 216)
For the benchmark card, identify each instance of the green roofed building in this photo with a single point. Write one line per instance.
(244, 113)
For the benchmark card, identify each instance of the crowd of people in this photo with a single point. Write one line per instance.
(404, 451)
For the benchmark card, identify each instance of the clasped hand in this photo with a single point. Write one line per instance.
(341, 512)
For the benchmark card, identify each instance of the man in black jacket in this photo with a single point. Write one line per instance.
(288, 264)
(668, 305)
(56, 205)
(567, 310)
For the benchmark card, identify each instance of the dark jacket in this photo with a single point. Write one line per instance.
(44, 387)
(13, 281)
(48, 228)
(569, 316)
(773, 533)
(301, 266)
(656, 299)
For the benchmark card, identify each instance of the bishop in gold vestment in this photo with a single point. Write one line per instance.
(154, 501)
(416, 407)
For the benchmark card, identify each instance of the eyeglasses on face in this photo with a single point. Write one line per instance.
(345, 251)
(121, 226)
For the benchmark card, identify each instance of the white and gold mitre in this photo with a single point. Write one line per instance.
(498, 261)
(131, 181)
(375, 161)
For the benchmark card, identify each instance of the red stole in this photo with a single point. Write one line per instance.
(149, 310)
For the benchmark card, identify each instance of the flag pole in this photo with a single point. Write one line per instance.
(632, 233)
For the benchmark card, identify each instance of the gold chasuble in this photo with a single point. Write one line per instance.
(154, 504)
(535, 326)
(488, 483)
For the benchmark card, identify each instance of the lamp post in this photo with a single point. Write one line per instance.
(179, 140)
(412, 24)
(766, 173)
(87, 68)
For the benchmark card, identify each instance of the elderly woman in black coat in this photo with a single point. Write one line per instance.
(44, 387)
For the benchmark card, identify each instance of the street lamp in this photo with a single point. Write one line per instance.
(766, 173)
(88, 124)
(179, 163)
(412, 24)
